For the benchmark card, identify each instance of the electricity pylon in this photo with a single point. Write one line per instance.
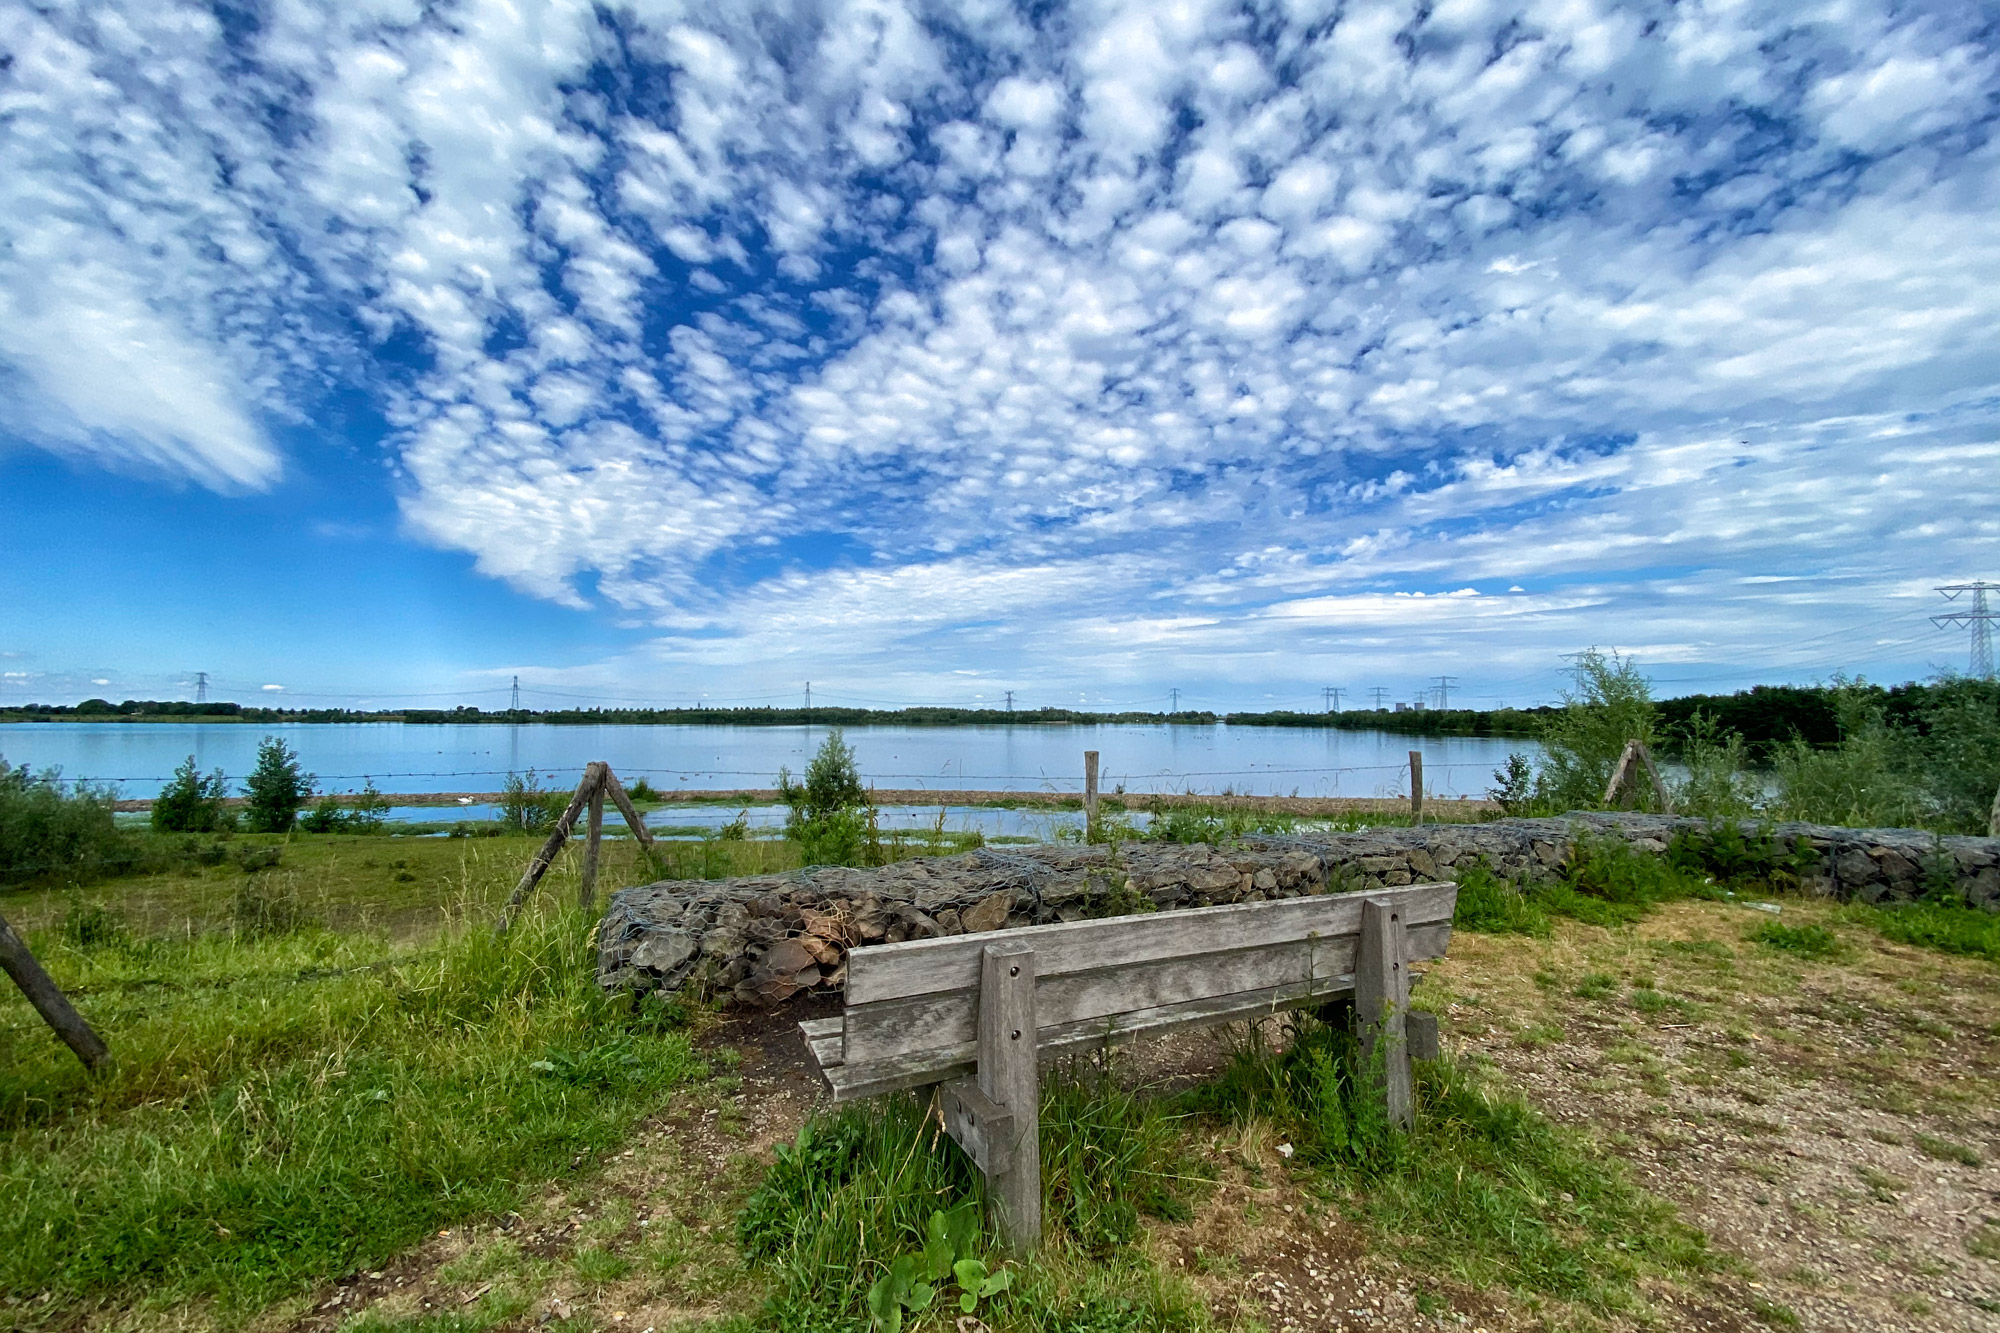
(1978, 617)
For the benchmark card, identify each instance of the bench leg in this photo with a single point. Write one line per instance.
(1008, 1075)
(1382, 1005)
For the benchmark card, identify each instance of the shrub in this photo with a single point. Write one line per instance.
(1610, 705)
(191, 803)
(48, 833)
(528, 807)
(1513, 788)
(642, 790)
(1716, 787)
(831, 817)
(277, 787)
(365, 813)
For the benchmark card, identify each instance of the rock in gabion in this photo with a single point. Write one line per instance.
(762, 939)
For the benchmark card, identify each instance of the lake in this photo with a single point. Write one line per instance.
(402, 758)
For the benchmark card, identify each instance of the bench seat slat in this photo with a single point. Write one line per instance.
(892, 1028)
(923, 967)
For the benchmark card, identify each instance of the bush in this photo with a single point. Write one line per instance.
(47, 833)
(276, 789)
(1610, 705)
(365, 813)
(191, 803)
(1716, 787)
(831, 817)
(528, 807)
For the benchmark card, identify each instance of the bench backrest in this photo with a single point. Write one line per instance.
(912, 1008)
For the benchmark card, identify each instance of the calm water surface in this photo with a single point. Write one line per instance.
(401, 757)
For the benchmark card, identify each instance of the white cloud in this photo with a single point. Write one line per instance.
(1468, 293)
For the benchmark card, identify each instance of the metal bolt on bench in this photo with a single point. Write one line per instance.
(977, 1013)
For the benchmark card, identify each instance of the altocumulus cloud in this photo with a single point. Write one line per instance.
(1140, 334)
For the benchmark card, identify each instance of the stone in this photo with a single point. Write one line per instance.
(759, 939)
(989, 913)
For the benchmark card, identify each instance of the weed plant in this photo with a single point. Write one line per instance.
(831, 818)
(290, 1104)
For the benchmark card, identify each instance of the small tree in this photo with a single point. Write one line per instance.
(276, 789)
(1611, 704)
(191, 803)
(831, 818)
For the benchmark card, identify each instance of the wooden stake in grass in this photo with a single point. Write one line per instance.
(593, 779)
(586, 893)
(1090, 795)
(1623, 787)
(51, 1003)
(1416, 787)
(625, 808)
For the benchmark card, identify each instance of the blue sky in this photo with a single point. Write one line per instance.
(384, 351)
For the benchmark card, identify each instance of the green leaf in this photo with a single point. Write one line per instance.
(968, 1302)
(883, 1305)
(970, 1273)
(920, 1296)
(937, 1248)
(962, 1226)
(997, 1283)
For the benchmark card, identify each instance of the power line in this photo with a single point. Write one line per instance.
(514, 702)
(1010, 700)
(1444, 684)
(1175, 695)
(201, 687)
(1330, 697)
(1979, 619)
(1380, 694)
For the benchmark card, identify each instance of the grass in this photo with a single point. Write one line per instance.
(292, 1102)
(856, 1188)
(1485, 1190)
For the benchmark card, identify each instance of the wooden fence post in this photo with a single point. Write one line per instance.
(1622, 790)
(51, 1003)
(1993, 820)
(1382, 1003)
(1090, 795)
(1009, 1078)
(586, 893)
(593, 773)
(625, 808)
(1416, 786)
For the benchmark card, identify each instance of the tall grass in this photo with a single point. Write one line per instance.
(291, 1106)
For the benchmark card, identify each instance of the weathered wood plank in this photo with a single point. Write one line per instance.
(586, 893)
(547, 855)
(891, 1028)
(920, 1068)
(626, 808)
(978, 1124)
(894, 1027)
(1382, 1002)
(921, 967)
(1008, 1074)
(50, 1002)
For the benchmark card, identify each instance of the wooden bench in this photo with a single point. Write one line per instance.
(975, 1013)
